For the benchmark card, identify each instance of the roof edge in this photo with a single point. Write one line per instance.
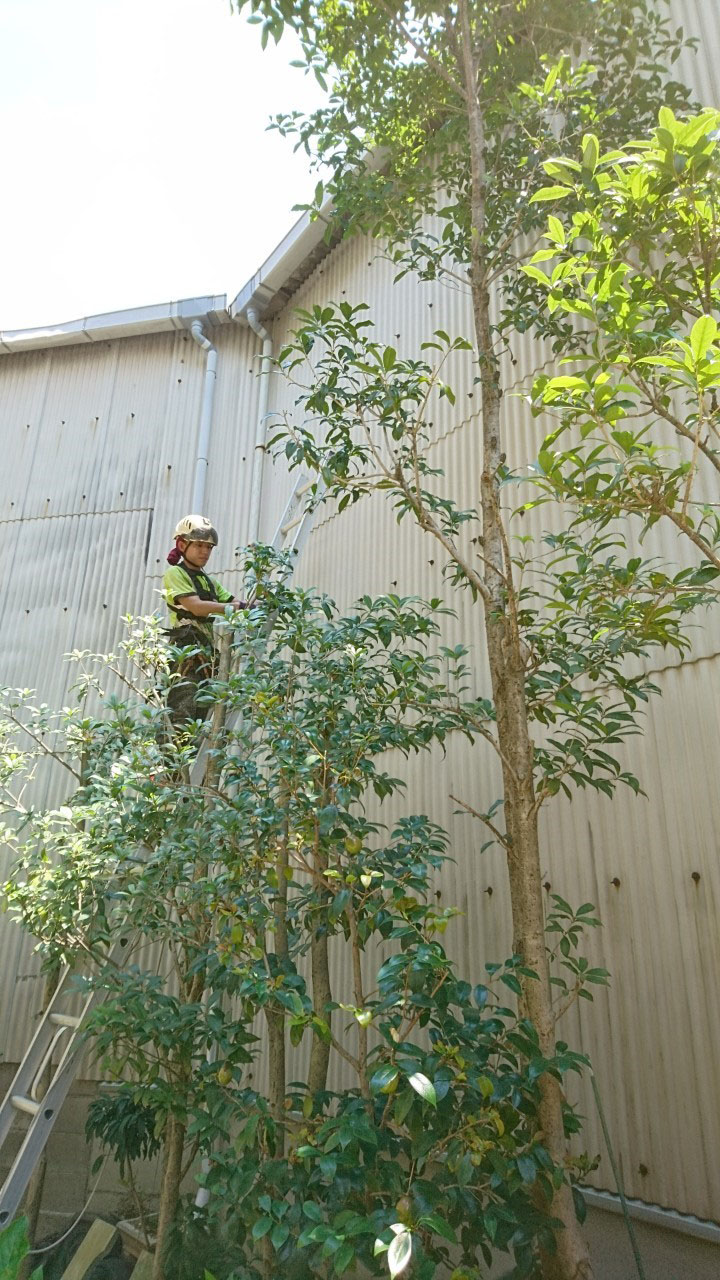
(305, 246)
(288, 258)
(158, 318)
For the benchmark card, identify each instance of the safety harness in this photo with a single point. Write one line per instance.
(204, 589)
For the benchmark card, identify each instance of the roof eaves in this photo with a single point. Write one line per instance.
(289, 265)
(211, 309)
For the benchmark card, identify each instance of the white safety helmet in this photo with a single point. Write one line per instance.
(196, 529)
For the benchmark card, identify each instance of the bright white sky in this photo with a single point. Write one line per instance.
(135, 161)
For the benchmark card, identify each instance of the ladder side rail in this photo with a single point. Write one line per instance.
(38, 1132)
(28, 1068)
(301, 487)
(303, 527)
(44, 1112)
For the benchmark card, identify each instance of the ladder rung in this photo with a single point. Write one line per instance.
(25, 1104)
(65, 1020)
(292, 523)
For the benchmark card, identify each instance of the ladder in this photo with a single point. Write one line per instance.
(296, 520)
(290, 536)
(59, 1034)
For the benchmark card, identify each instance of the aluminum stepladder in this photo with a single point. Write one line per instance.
(60, 1032)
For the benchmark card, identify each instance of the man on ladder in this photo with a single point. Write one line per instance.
(193, 599)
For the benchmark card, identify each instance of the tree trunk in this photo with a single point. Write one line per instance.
(320, 971)
(507, 674)
(275, 1019)
(274, 1013)
(170, 1192)
(359, 997)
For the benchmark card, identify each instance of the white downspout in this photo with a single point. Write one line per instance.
(253, 320)
(197, 505)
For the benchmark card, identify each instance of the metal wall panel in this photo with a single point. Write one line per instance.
(698, 19)
(76, 575)
(231, 453)
(89, 495)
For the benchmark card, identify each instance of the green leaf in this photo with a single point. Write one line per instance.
(580, 1205)
(569, 381)
(550, 193)
(424, 1087)
(389, 358)
(383, 1080)
(399, 1253)
(279, 1235)
(591, 152)
(704, 332)
(261, 1228)
(402, 1106)
(343, 1258)
(13, 1248)
(536, 274)
(439, 1226)
(556, 230)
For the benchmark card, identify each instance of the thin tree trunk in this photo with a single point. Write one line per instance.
(507, 673)
(276, 1070)
(320, 972)
(274, 1014)
(169, 1193)
(359, 997)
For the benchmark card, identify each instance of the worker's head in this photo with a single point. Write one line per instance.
(195, 538)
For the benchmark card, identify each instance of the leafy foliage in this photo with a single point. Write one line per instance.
(14, 1249)
(250, 883)
(440, 132)
(638, 261)
(546, 70)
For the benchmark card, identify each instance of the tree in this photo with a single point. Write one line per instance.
(240, 887)
(462, 105)
(643, 409)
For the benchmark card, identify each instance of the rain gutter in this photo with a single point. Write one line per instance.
(253, 320)
(304, 240)
(211, 309)
(203, 447)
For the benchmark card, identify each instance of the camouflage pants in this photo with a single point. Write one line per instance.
(194, 670)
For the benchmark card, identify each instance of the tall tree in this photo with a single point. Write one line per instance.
(461, 105)
(246, 882)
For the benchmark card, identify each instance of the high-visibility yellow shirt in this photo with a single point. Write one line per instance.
(178, 581)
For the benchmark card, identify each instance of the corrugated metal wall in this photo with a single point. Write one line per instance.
(99, 449)
(650, 865)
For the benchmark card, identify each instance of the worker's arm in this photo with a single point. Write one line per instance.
(204, 608)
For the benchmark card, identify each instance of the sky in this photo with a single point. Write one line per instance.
(136, 166)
